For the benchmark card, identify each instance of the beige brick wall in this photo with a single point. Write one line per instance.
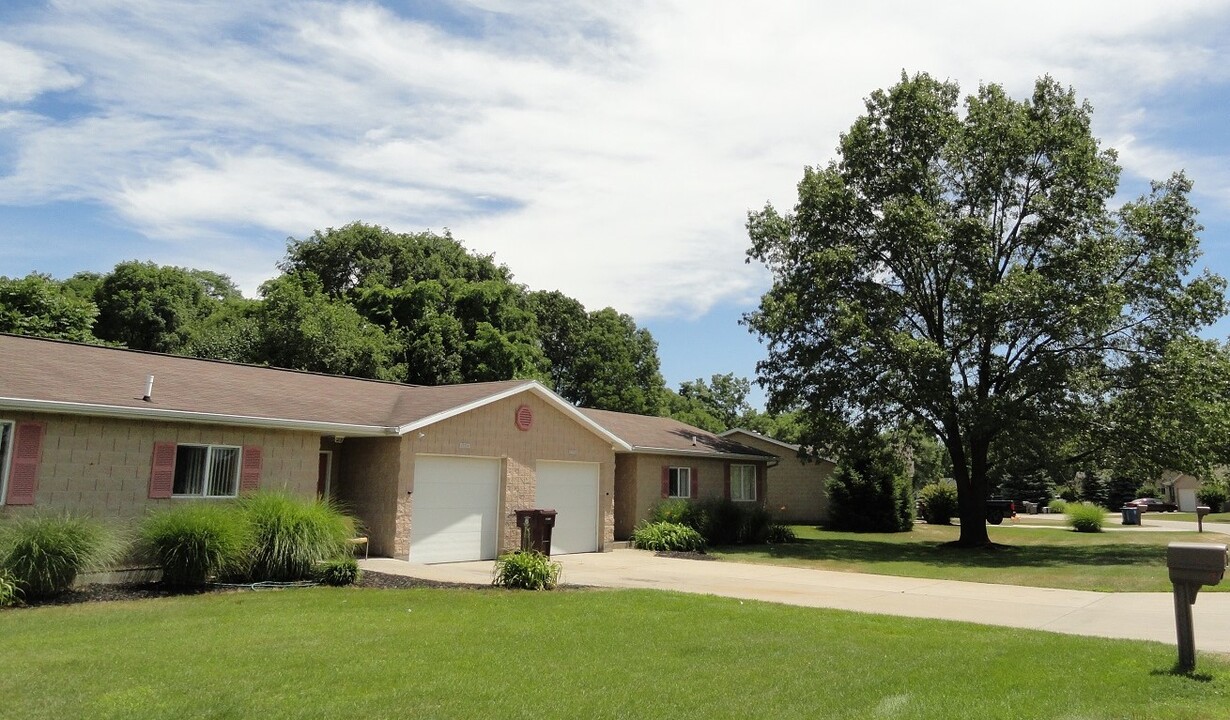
(639, 483)
(101, 466)
(796, 488)
(366, 482)
(490, 432)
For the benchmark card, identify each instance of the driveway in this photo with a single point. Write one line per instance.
(1127, 616)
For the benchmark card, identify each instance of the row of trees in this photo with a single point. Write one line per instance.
(368, 302)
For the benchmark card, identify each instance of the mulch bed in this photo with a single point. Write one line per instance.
(99, 592)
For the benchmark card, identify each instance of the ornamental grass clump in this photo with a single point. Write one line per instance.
(292, 536)
(339, 572)
(667, 537)
(1057, 506)
(9, 594)
(196, 542)
(526, 570)
(43, 555)
(1085, 517)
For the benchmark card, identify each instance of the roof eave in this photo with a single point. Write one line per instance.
(122, 411)
(646, 450)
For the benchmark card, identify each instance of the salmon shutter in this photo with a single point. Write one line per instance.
(666, 481)
(27, 453)
(727, 482)
(162, 471)
(250, 475)
(695, 483)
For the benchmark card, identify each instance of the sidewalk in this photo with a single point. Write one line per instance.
(1127, 616)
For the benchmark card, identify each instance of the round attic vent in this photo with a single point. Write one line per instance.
(524, 418)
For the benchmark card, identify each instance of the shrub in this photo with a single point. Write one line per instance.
(667, 537)
(529, 570)
(680, 512)
(292, 536)
(1057, 506)
(1067, 493)
(1085, 516)
(939, 501)
(44, 554)
(756, 526)
(194, 542)
(9, 593)
(779, 534)
(339, 572)
(869, 492)
(1212, 495)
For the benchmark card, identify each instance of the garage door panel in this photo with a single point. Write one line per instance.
(571, 489)
(454, 509)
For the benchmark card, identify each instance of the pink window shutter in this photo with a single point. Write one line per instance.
(250, 474)
(695, 483)
(162, 471)
(27, 454)
(666, 481)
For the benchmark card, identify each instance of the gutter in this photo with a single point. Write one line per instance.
(701, 453)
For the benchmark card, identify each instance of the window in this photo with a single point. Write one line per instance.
(743, 482)
(206, 471)
(6, 445)
(680, 482)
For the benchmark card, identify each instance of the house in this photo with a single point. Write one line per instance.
(796, 491)
(434, 473)
(662, 458)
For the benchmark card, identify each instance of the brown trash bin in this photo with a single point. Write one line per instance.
(536, 526)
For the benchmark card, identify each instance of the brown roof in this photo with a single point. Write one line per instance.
(90, 379)
(667, 435)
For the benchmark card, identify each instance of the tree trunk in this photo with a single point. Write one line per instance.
(972, 503)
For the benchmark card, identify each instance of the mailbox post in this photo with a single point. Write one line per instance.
(1191, 565)
(1201, 511)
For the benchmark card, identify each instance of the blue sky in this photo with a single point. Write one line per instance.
(608, 150)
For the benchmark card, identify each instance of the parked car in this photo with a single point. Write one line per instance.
(1152, 505)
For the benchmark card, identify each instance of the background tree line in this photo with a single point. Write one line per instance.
(364, 301)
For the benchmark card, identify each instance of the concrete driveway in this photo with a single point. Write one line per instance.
(1128, 616)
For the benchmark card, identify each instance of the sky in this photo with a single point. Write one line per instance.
(610, 150)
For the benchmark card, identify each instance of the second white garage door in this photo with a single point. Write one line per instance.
(454, 515)
(571, 489)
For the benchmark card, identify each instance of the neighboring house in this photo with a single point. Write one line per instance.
(1180, 489)
(796, 491)
(434, 473)
(662, 458)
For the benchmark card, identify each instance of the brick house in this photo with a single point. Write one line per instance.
(795, 492)
(435, 474)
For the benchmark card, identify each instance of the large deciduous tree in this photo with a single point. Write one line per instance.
(960, 266)
(38, 305)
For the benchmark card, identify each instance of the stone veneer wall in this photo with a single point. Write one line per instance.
(366, 485)
(101, 466)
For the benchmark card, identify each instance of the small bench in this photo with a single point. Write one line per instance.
(360, 541)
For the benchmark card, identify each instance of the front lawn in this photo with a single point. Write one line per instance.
(1127, 561)
(357, 653)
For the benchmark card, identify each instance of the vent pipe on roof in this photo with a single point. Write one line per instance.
(149, 388)
(693, 441)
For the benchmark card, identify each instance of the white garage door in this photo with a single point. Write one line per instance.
(571, 489)
(455, 507)
(1187, 500)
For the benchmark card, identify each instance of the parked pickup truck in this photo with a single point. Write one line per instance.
(997, 510)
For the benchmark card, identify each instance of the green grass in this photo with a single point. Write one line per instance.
(354, 653)
(1034, 556)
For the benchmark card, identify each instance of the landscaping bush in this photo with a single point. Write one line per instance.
(756, 526)
(529, 570)
(43, 554)
(779, 534)
(339, 572)
(9, 594)
(1057, 506)
(1212, 495)
(939, 503)
(1085, 516)
(869, 491)
(1067, 493)
(680, 512)
(195, 542)
(667, 537)
(292, 536)
(718, 520)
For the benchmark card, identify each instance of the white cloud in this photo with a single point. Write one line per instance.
(608, 150)
(25, 74)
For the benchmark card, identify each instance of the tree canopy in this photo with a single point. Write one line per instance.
(960, 266)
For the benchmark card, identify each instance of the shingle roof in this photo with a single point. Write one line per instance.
(645, 433)
(71, 377)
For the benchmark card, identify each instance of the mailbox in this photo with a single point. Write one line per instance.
(1196, 563)
(1191, 565)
